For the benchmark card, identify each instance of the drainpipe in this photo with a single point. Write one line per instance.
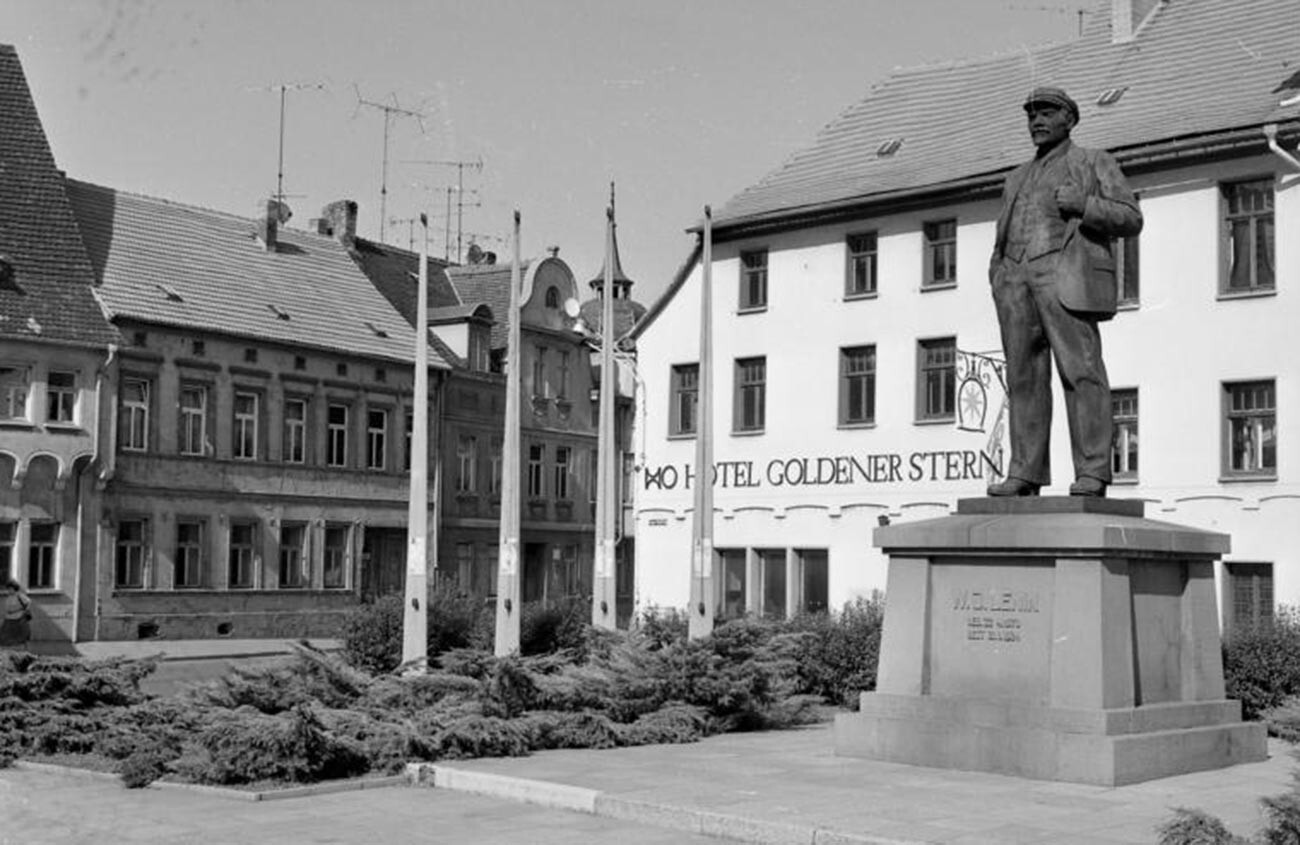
(1270, 132)
(101, 384)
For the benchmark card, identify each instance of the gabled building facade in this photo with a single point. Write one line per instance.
(55, 343)
(256, 470)
(856, 346)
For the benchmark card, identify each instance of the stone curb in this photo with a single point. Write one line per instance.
(228, 792)
(598, 803)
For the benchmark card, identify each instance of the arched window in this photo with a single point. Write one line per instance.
(552, 297)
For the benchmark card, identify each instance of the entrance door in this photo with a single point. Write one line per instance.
(534, 586)
(383, 561)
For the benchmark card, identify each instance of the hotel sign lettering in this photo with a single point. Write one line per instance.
(837, 470)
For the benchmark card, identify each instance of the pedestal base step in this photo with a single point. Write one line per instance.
(1102, 747)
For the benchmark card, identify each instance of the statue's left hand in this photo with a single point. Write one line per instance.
(1071, 200)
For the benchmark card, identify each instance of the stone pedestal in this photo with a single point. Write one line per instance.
(1054, 638)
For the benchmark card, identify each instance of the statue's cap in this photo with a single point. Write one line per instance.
(1054, 96)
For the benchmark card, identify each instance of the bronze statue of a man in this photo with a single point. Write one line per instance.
(1053, 278)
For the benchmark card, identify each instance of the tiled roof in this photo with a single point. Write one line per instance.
(49, 295)
(165, 263)
(490, 285)
(395, 271)
(1195, 67)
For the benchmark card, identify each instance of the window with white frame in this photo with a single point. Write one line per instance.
(376, 438)
(293, 556)
(42, 543)
(8, 541)
(1124, 432)
(751, 394)
(15, 385)
(536, 457)
(133, 427)
(1250, 592)
(857, 385)
(188, 564)
(753, 280)
(241, 559)
(494, 469)
(940, 254)
(563, 456)
(407, 434)
(1248, 236)
(60, 397)
(194, 419)
(245, 431)
(860, 274)
(1250, 429)
(936, 379)
(338, 539)
(131, 553)
(466, 463)
(814, 579)
(540, 388)
(562, 389)
(295, 431)
(685, 390)
(336, 443)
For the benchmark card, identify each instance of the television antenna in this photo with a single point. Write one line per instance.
(284, 88)
(390, 110)
(460, 165)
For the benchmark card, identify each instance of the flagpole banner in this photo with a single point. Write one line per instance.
(983, 406)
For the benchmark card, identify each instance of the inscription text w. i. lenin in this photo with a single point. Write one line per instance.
(1002, 623)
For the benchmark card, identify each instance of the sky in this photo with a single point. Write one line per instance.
(680, 103)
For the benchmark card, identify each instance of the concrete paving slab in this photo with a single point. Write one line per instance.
(792, 778)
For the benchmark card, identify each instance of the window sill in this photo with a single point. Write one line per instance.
(753, 309)
(856, 297)
(938, 286)
(1255, 293)
(748, 432)
(935, 421)
(1245, 479)
(852, 426)
(685, 435)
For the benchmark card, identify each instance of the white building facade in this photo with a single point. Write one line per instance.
(848, 285)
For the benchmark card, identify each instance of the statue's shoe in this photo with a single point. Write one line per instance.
(1014, 487)
(1089, 486)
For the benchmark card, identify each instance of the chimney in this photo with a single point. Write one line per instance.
(268, 225)
(340, 218)
(1127, 17)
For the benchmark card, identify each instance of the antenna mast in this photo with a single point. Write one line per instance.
(284, 88)
(475, 165)
(390, 111)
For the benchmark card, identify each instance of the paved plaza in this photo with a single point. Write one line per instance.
(778, 787)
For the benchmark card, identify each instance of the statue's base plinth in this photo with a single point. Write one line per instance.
(1054, 638)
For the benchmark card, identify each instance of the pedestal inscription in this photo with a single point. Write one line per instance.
(992, 625)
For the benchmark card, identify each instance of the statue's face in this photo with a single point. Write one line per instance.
(1049, 124)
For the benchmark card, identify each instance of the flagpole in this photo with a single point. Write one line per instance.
(415, 621)
(700, 612)
(506, 640)
(603, 613)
